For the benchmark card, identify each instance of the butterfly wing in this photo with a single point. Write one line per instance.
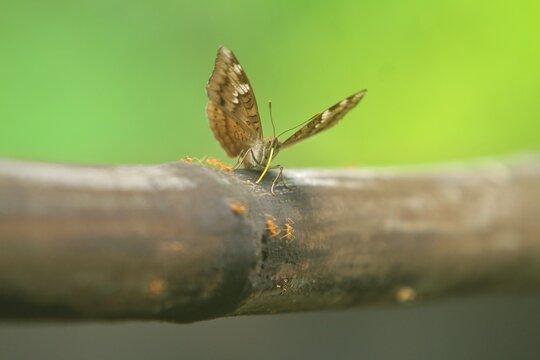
(232, 108)
(326, 119)
(230, 132)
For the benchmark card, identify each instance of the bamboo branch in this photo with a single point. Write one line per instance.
(183, 242)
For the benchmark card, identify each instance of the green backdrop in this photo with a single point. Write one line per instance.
(118, 81)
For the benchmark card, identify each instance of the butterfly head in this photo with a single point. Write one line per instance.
(271, 145)
(271, 149)
(261, 153)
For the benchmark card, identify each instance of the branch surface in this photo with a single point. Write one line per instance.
(184, 242)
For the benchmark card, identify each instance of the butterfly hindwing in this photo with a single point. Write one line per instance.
(232, 107)
(326, 119)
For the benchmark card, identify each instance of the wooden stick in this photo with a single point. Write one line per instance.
(183, 242)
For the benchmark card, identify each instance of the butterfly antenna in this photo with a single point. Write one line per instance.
(271, 118)
(303, 123)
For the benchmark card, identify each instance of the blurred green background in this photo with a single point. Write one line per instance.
(118, 81)
(124, 81)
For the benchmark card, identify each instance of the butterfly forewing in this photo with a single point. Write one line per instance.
(326, 119)
(232, 107)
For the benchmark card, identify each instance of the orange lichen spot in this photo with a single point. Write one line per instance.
(219, 165)
(272, 228)
(156, 287)
(226, 169)
(237, 208)
(289, 230)
(192, 159)
(405, 294)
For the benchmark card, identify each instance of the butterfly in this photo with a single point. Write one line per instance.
(235, 121)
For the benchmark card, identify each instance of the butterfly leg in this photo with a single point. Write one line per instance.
(279, 176)
(243, 156)
(283, 178)
(240, 159)
(254, 158)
